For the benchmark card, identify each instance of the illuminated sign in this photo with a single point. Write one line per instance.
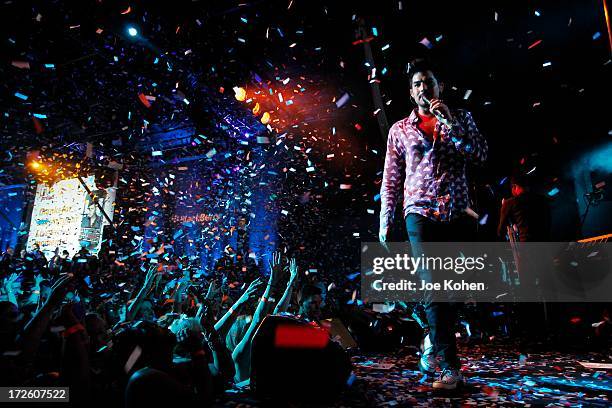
(66, 217)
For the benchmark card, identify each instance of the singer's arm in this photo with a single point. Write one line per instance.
(503, 217)
(467, 138)
(393, 174)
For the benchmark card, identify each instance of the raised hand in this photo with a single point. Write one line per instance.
(59, 289)
(213, 291)
(205, 314)
(12, 288)
(276, 269)
(151, 276)
(293, 269)
(11, 285)
(38, 279)
(251, 291)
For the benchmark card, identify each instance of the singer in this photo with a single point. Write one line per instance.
(429, 151)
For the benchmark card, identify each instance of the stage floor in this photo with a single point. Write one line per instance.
(498, 375)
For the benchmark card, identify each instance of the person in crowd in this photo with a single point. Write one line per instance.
(113, 331)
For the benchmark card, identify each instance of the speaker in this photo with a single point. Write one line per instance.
(294, 360)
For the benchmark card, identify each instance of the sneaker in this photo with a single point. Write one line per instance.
(428, 363)
(449, 379)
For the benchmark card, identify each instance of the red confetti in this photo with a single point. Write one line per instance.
(38, 126)
(535, 44)
(144, 100)
(362, 41)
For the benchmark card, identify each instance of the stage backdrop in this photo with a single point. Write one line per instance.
(65, 216)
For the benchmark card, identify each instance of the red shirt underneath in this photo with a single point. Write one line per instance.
(427, 125)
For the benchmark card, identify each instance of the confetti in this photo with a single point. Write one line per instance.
(426, 43)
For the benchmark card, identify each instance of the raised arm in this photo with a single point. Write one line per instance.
(224, 324)
(35, 291)
(133, 308)
(34, 329)
(242, 352)
(10, 284)
(179, 294)
(283, 303)
(223, 363)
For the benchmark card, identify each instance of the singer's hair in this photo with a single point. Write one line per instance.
(420, 65)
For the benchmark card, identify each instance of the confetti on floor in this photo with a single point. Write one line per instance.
(496, 376)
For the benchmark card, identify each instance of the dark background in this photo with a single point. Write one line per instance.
(552, 118)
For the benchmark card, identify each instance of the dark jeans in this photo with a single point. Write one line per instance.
(440, 316)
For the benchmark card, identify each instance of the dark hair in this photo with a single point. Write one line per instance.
(156, 343)
(419, 65)
(308, 291)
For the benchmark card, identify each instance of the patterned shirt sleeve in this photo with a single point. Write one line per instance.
(467, 139)
(395, 164)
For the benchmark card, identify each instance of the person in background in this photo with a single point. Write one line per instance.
(527, 211)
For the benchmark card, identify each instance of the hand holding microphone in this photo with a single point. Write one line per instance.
(439, 110)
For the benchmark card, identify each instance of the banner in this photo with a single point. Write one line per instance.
(66, 217)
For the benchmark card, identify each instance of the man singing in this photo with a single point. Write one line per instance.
(430, 150)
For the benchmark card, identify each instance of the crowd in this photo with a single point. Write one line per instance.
(125, 333)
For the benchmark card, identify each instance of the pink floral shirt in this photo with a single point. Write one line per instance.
(433, 173)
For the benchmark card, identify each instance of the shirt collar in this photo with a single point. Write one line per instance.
(413, 118)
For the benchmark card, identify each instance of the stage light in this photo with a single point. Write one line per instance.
(35, 165)
(132, 31)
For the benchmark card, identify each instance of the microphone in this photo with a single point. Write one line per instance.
(437, 113)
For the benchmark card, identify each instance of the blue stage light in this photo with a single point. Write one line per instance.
(132, 31)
